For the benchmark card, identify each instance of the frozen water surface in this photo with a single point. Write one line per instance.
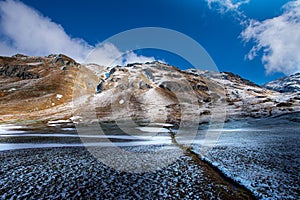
(10, 134)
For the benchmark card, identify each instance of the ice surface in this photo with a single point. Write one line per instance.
(153, 129)
(10, 128)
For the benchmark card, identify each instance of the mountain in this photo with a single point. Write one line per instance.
(247, 99)
(157, 92)
(42, 89)
(286, 84)
(36, 88)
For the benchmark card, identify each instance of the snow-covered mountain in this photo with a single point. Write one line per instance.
(40, 89)
(286, 84)
(157, 92)
(247, 99)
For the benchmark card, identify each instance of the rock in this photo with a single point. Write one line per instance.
(20, 71)
(143, 85)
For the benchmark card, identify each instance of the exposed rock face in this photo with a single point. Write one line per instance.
(286, 84)
(44, 88)
(20, 71)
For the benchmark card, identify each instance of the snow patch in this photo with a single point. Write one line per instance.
(59, 96)
(9, 128)
(153, 129)
(121, 101)
(34, 63)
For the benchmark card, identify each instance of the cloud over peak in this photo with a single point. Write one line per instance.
(108, 54)
(25, 30)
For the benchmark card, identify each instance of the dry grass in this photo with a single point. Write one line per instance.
(26, 98)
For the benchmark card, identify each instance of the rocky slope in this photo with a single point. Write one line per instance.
(40, 89)
(286, 84)
(36, 89)
(247, 99)
(157, 92)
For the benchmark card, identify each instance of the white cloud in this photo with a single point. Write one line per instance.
(226, 5)
(109, 55)
(25, 30)
(279, 38)
(233, 6)
(131, 57)
(106, 55)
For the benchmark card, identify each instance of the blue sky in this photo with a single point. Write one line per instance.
(240, 36)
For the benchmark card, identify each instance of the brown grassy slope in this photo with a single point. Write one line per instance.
(29, 85)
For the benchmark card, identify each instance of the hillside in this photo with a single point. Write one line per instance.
(36, 89)
(40, 89)
(285, 84)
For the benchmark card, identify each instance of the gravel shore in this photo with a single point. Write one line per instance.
(72, 173)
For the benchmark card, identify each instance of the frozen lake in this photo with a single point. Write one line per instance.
(13, 140)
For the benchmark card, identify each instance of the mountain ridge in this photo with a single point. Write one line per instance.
(286, 84)
(41, 89)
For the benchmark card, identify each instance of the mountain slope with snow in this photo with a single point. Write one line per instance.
(247, 99)
(41, 89)
(286, 84)
(157, 92)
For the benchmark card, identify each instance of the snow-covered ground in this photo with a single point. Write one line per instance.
(263, 155)
(73, 173)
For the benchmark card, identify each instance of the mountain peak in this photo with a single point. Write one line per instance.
(286, 84)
